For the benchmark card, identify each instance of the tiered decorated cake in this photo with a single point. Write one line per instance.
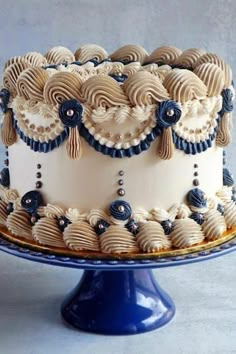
(119, 153)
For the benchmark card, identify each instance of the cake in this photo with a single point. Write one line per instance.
(117, 154)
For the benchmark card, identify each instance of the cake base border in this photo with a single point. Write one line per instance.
(22, 242)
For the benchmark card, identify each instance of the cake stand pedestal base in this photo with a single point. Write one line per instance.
(117, 296)
(118, 302)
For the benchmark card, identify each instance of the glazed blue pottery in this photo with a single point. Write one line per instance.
(118, 302)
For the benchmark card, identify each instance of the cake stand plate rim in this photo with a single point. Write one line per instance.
(53, 258)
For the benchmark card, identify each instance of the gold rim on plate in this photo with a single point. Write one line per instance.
(227, 236)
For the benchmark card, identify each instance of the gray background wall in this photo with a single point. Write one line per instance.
(204, 293)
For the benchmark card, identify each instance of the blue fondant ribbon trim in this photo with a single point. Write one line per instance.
(180, 143)
(42, 146)
(119, 153)
(193, 148)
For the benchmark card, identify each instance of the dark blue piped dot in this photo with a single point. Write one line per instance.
(197, 198)
(31, 201)
(62, 222)
(132, 226)
(198, 217)
(119, 78)
(5, 177)
(220, 209)
(167, 226)
(101, 227)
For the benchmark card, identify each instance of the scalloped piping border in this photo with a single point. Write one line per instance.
(180, 143)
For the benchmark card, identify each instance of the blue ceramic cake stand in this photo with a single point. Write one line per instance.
(117, 296)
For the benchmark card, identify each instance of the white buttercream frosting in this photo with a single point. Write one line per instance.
(186, 232)
(230, 214)
(214, 225)
(3, 212)
(117, 239)
(46, 232)
(18, 222)
(151, 237)
(52, 211)
(81, 236)
(74, 215)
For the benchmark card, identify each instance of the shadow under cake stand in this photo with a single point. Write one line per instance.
(117, 295)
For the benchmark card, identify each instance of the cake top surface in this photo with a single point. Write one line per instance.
(119, 100)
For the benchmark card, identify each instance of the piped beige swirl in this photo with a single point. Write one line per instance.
(186, 232)
(31, 82)
(151, 237)
(103, 91)
(81, 236)
(214, 225)
(12, 73)
(165, 54)
(35, 59)
(90, 51)
(95, 215)
(223, 137)
(130, 52)
(166, 145)
(58, 55)
(46, 232)
(183, 85)
(62, 86)
(15, 60)
(230, 214)
(3, 213)
(53, 211)
(159, 71)
(143, 88)
(215, 59)
(212, 76)
(18, 223)
(189, 57)
(117, 239)
(73, 144)
(8, 132)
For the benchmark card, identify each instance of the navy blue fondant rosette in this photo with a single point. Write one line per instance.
(197, 198)
(168, 113)
(31, 201)
(70, 113)
(120, 210)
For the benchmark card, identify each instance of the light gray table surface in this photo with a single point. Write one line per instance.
(204, 293)
(31, 295)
